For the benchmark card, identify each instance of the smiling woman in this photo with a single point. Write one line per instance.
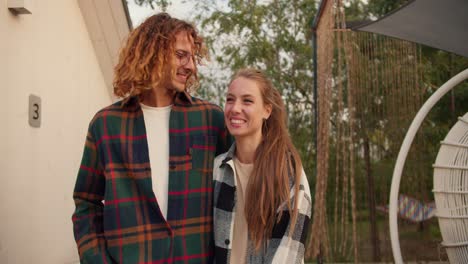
(262, 202)
(245, 111)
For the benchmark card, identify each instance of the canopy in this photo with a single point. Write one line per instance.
(441, 24)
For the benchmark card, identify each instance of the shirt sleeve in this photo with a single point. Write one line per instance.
(289, 248)
(88, 196)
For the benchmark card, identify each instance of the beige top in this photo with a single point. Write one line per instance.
(239, 240)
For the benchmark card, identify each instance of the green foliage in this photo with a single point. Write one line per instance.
(379, 8)
(440, 66)
(163, 4)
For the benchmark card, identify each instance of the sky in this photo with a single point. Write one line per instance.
(177, 9)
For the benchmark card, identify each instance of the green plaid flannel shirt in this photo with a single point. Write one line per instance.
(117, 218)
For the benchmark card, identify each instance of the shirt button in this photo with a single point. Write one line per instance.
(226, 242)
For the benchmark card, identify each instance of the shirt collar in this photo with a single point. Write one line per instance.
(230, 154)
(180, 98)
(183, 98)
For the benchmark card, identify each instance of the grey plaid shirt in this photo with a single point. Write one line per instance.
(280, 248)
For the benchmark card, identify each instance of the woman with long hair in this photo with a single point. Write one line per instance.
(262, 202)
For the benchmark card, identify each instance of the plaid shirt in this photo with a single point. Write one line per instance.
(280, 247)
(117, 217)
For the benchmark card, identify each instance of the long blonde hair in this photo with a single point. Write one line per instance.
(276, 164)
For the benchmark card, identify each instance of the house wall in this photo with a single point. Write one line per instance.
(47, 53)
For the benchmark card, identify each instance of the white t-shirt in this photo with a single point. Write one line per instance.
(240, 237)
(157, 133)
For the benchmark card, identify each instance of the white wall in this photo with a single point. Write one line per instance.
(49, 54)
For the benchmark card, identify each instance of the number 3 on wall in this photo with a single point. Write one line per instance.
(34, 110)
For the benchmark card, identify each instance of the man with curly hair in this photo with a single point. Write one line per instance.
(144, 188)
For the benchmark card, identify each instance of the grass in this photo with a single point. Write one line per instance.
(418, 244)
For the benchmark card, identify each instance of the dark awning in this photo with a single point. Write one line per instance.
(442, 24)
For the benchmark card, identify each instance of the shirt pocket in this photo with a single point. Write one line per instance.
(202, 150)
(180, 163)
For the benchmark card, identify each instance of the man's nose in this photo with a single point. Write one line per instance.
(190, 64)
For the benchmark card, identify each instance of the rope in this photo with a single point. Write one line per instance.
(324, 60)
(376, 92)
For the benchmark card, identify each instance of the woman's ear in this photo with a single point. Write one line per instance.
(268, 109)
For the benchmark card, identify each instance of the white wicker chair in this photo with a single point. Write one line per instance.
(450, 180)
(451, 191)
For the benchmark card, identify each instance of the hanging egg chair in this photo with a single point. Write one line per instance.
(451, 191)
(450, 181)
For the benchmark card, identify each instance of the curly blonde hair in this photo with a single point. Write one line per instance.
(145, 60)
